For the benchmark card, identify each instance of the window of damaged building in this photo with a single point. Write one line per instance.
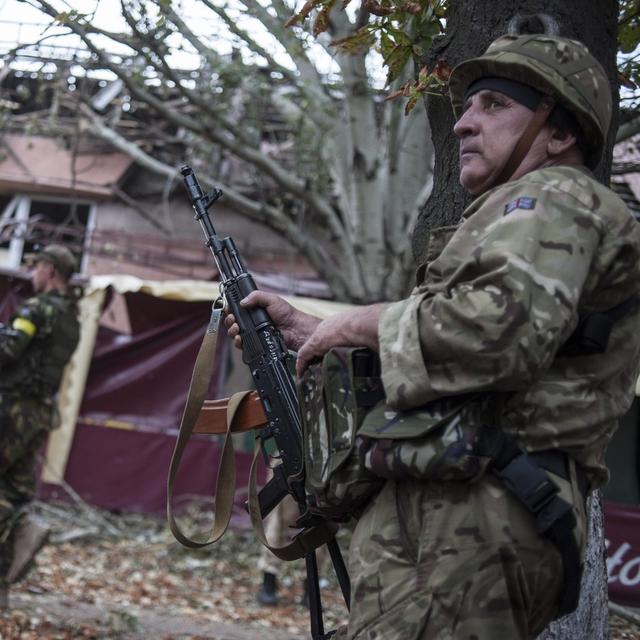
(29, 221)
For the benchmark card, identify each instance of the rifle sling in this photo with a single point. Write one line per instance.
(239, 405)
(226, 479)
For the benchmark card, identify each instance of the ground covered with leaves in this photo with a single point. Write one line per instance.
(104, 576)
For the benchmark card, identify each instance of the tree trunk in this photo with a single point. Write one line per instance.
(471, 26)
(591, 618)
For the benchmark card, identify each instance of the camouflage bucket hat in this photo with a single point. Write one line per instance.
(556, 66)
(57, 255)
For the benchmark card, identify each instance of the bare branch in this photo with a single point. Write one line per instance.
(628, 129)
(97, 125)
(162, 67)
(259, 212)
(282, 176)
(287, 38)
(309, 91)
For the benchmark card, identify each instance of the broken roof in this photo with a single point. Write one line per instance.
(36, 164)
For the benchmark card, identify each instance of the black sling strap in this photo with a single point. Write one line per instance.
(522, 474)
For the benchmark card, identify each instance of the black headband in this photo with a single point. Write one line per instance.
(522, 93)
(525, 95)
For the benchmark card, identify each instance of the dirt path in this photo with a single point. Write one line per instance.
(125, 623)
(105, 577)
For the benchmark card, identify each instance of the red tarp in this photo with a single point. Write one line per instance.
(622, 533)
(139, 381)
(12, 291)
(126, 471)
(143, 378)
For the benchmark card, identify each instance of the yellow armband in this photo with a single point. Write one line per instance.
(24, 325)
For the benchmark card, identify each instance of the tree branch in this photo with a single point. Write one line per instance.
(628, 129)
(281, 175)
(287, 38)
(161, 67)
(322, 106)
(259, 212)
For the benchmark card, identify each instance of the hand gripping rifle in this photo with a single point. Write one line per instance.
(265, 353)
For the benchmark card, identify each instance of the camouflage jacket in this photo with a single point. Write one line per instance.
(37, 343)
(499, 298)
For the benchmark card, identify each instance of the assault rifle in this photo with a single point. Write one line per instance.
(268, 359)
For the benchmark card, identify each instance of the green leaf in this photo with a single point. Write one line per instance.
(397, 60)
(629, 38)
(362, 39)
(386, 44)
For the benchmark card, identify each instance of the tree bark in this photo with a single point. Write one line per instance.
(471, 26)
(591, 618)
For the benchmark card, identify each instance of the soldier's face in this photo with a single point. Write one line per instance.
(488, 130)
(40, 275)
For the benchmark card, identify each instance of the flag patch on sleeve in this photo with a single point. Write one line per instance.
(520, 203)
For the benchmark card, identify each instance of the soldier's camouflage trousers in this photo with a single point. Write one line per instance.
(24, 425)
(453, 561)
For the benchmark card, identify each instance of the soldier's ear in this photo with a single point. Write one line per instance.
(560, 141)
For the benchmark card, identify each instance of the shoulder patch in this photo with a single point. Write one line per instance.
(520, 203)
(24, 325)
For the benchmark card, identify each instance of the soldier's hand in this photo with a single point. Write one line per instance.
(352, 328)
(294, 325)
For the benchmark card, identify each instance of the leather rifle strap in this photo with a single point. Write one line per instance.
(226, 478)
(245, 405)
(540, 116)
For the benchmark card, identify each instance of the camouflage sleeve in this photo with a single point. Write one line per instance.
(16, 336)
(510, 281)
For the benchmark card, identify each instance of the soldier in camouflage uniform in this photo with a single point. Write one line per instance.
(35, 347)
(530, 302)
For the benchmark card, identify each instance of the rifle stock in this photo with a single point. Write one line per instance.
(213, 416)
